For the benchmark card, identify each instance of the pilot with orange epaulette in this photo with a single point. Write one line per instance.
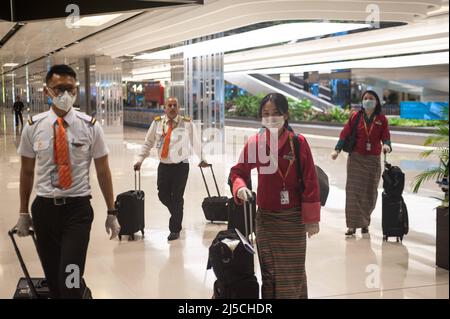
(61, 143)
(173, 135)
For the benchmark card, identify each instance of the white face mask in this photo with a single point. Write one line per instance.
(369, 105)
(65, 101)
(272, 122)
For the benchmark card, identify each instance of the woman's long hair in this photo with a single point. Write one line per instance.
(280, 102)
(377, 98)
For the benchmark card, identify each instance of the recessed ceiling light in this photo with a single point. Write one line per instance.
(10, 65)
(96, 21)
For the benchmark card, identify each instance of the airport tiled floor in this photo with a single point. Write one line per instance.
(359, 267)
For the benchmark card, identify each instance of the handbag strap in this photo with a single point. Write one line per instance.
(355, 127)
(298, 163)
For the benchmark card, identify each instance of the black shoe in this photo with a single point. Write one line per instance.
(173, 236)
(365, 230)
(350, 232)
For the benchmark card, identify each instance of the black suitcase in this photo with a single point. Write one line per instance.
(34, 288)
(215, 208)
(248, 288)
(234, 269)
(394, 217)
(236, 217)
(131, 216)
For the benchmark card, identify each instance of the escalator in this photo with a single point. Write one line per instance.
(262, 83)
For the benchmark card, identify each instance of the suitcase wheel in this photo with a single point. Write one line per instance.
(120, 237)
(385, 238)
(131, 238)
(143, 233)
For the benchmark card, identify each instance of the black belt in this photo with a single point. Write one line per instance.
(60, 201)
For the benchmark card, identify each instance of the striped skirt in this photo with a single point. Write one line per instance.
(363, 177)
(281, 242)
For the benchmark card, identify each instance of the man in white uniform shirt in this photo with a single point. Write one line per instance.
(62, 142)
(174, 136)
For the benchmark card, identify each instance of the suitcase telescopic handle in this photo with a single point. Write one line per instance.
(137, 177)
(248, 220)
(11, 234)
(215, 181)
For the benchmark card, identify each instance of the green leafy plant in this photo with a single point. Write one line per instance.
(440, 143)
(248, 105)
(301, 110)
(413, 123)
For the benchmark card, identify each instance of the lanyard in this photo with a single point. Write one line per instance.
(368, 133)
(291, 162)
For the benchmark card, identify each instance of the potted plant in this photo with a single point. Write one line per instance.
(440, 142)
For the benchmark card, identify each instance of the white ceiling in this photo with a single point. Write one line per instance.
(37, 39)
(166, 26)
(424, 36)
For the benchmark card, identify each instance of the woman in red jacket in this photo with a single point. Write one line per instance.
(288, 206)
(363, 165)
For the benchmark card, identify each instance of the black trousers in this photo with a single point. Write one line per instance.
(172, 179)
(62, 234)
(18, 116)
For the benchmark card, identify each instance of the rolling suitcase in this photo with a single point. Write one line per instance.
(34, 288)
(215, 208)
(394, 217)
(236, 215)
(231, 257)
(131, 215)
(395, 221)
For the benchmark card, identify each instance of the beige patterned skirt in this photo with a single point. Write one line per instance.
(363, 177)
(281, 241)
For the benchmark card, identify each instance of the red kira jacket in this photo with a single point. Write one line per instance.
(380, 134)
(270, 185)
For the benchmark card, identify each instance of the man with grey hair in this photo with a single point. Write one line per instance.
(169, 133)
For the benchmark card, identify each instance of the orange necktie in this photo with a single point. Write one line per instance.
(62, 156)
(165, 149)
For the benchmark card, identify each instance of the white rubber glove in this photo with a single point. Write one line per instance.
(386, 149)
(334, 155)
(23, 225)
(244, 194)
(312, 229)
(112, 226)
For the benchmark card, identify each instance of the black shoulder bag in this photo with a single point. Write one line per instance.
(350, 140)
(324, 186)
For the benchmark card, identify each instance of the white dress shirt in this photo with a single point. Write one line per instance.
(85, 140)
(184, 138)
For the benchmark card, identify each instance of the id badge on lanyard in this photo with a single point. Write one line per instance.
(368, 133)
(284, 194)
(284, 197)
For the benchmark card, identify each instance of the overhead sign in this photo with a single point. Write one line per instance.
(26, 10)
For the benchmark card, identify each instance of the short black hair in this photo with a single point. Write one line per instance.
(60, 69)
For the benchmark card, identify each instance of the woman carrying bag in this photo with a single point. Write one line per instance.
(371, 136)
(288, 206)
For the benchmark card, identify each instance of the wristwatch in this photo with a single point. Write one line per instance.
(113, 212)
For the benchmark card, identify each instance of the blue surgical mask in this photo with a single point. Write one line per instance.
(49, 101)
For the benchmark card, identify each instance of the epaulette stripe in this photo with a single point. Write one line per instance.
(93, 121)
(30, 121)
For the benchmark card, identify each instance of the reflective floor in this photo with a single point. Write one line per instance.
(358, 267)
